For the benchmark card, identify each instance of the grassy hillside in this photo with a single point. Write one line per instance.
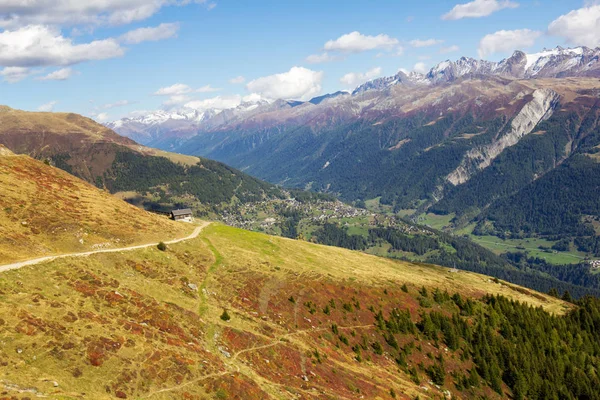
(147, 177)
(303, 323)
(45, 211)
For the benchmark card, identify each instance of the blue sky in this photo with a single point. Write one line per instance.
(112, 60)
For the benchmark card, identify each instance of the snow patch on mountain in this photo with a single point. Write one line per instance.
(557, 62)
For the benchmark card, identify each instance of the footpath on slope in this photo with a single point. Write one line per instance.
(21, 264)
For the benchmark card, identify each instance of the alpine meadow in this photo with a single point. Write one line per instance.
(217, 199)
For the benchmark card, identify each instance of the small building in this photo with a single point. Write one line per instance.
(184, 215)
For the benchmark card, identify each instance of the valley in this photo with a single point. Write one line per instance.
(222, 312)
(160, 181)
(503, 152)
(228, 200)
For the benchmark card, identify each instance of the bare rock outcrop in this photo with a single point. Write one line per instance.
(540, 108)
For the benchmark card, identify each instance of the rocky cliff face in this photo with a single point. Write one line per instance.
(541, 107)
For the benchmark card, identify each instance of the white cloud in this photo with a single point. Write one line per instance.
(101, 117)
(579, 27)
(298, 83)
(207, 89)
(319, 58)
(150, 34)
(15, 74)
(18, 13)
(176, 89)
(237, 80)
(355, 42)
(425, 43)
(59, 75)
(179, 89)
(219, 103)
(353, 79)
(37, 45)
(421, 68)
(48, 107)
(252, 97)
(478, 8)
(506, 41)
(176, 100)
(138, 113)
(449, 49)
(120, 103)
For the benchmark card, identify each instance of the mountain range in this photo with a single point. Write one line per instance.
(160, 181)
(159, 126)
(228, 313)
(485, 142)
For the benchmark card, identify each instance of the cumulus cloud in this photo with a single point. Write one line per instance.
(15, 74)
(353, 79)
(176, 100)
(59, 75)
(101, 117)
(252, 97)
(176, 89)
(355, 42)
(219, 103)
(478, 8)
(207, 89)
(237, 80)
(120, 103)
(38, 45)
(150, 34)
(505, 41)
(179, 89)
(421, 68)
(298, 83)
(48, 107)
(579, 27)
(138, 113)
(449, 49)
(15, 13)
(319, 58)
(425, 43)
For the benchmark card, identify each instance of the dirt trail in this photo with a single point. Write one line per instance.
(21, 264)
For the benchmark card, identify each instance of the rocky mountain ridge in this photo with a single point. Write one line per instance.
(159, 128)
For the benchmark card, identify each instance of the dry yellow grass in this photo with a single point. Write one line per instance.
(12, 120)
(46, 211)
(253, 249)
(46, 125)
(147, 323)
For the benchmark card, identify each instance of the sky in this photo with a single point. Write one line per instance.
(110, 59)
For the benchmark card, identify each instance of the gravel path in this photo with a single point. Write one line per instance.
(21, 264)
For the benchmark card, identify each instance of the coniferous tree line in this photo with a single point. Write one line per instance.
(209, 182)
(511, 345)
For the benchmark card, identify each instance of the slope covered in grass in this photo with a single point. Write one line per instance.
(144, 176)
(46, 211)
(305, 321)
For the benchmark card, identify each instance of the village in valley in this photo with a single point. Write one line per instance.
(267, 216)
